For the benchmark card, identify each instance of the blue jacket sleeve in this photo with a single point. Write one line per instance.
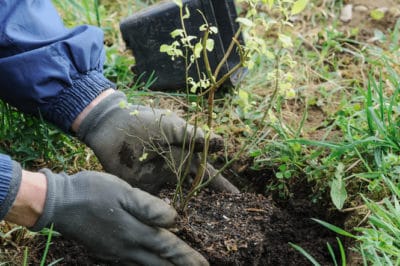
(46, 68)
(10, 180)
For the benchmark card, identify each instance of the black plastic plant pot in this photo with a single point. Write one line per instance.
(145, 32)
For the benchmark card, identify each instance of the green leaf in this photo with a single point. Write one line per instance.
(299, 6)
(178, 3)
(203, 27)
(377, 14)
(244, 101)
(245, 21)
(332, 253)
(285, 40)
(213, 30)
(210, 45)
(143, 157)
(339, 171)
(338, 193)
(334, 228)
(342, 252)
(206, 128)
(270, 3)
(187, 13)
(176, 33)
(164, 48)
(197, 50)
(338, 187)
(305, 254)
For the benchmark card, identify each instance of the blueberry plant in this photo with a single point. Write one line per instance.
(253, 26)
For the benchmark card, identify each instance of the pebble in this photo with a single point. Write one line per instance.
(361, 9)
(347, 13)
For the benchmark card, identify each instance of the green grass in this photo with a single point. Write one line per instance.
(335, 260)
(379, 241)
(35, 143)
(357, 152)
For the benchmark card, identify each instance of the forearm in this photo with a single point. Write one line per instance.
(30, 200)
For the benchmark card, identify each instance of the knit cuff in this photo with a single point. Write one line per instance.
(71, 101)
(51, 197)
(97, 114)
(10, 181)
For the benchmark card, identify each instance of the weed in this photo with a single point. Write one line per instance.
(331, 252)
(379, 242)
(32, 142)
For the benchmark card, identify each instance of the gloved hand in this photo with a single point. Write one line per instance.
(120, 224)
(142, 144)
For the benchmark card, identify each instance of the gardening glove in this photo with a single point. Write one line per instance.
(135, 143)
(118, 223)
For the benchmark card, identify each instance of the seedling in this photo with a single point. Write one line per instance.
(196, 51)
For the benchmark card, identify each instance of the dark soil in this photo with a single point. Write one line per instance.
(225, 232)
(249, 229)
(244, 229)
(69, 251)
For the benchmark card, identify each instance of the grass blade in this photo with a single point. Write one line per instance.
(342, 252)
(55, 262)
(334, 228)
(25, 262)
(332, 254)
(48, 243)
(305, 254)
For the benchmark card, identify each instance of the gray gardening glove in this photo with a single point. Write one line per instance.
(143, 145)
(118, 223)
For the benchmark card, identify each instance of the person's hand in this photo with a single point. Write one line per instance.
(118, 223)
(145, 146)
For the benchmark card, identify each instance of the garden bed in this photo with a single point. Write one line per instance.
(241, 229)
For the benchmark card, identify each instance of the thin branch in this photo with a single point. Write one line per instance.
(228, 52)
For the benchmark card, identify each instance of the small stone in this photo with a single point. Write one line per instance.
(383, 9)
(361, 9)
(347, 13)
(225, 217)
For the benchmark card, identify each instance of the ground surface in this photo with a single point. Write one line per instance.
(244, 229)
(249, 229)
